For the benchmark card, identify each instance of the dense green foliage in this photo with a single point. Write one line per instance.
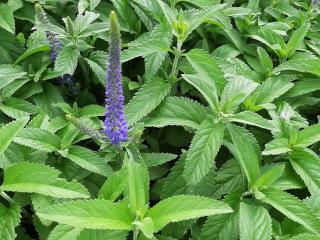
(222, 101)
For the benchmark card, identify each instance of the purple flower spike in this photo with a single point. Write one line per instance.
(54, 43)
(115, 125)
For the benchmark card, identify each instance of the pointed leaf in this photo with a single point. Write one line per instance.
(9, 220)
(91, 214)
(9, 131)
(291, 207)
(149, 96)
(207, 68)
(203, 150)
(38, 139)
(89, 160)
(255, 222)
(181, 208)
(177, 111)
(37, 178)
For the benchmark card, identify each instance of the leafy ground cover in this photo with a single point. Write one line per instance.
(162, 119)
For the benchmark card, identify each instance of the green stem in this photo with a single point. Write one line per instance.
(11, 201)
(135, 235)
(6, 197)
(176, 60)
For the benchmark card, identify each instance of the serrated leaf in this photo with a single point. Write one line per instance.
(269, 90)
(303, 65)
(308, 136)
(245, 153)
(34, 50)
(7, 18)
(206, 88)
(9, 131)
(38, 139)
(277, 146)
(64, 232)
(178, 112)
(155, 159)
(291, 207)
(90, 214)
(203, 150)
(89, 160)
(255, 222)
(92, 234)
(307, 164)
(265, 59)
(9, 73)
(272, 174)
(297, 38)
(148, 97)
(17, 108)
(235, 92)
(135, 188)
(9, 220)
(224, 226)
(113, 186)
(207, 68)
(41, 179)
(67, 60)
(303, 87)
(251, 118)
(180, 208)
(92, 111)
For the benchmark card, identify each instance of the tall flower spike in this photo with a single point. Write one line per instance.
(115, 125)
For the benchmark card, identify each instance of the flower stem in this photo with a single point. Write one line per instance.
(176, 60)
(135, 235)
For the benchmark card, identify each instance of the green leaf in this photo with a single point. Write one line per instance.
(149, 96)
(7, 18)
(92, 234)
(265, 59)
(155, 159)
(92, 111)
(307, 164)
(224, 226)
(305, 236)
(255, 222)
(269, 90)
(272, 174)
(175, 111)
(303, 87)
(253, 119)
(235, 92)
(303, 65)
(29, 52)
(277, 146)
(137, 199)
(146, 226)
(207, 68)
(37, 178)
(38, 139)
(9, 131)
(308, 136)
(89, 160)
(181, 208)
(203, 150)
(297, 38)
(114, 186)
(64, 232)
(9, 220)
(245, 152)
(90, 214)
(17, 108)
(291, 207)
(67, 60)
(8, 74)
(206, 88)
